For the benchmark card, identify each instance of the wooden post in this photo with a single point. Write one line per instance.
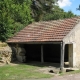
(42, 57)
(17, 48)
(62, 57)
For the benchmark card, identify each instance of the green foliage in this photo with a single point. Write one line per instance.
(47, 10)
(14, 15)
(78, 7)
(41, 7)
(70, 14)
(57, 13)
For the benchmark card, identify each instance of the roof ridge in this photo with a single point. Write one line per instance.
(58, 19)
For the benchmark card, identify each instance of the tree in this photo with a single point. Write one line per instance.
(57, 13)
(40, 7)
(14, 15)
(78, 8)
(70, 14)
(47, 10)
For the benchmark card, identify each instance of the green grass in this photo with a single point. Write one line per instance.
(21, 72)
(26, 71)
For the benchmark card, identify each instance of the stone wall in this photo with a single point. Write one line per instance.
(21, 54)
(18, 53)
(74, 38)
(5, 53)
(77, 46)
(11, 53)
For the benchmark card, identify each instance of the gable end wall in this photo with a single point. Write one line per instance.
(74, 38)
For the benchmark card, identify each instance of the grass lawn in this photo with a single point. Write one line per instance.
(21, 72)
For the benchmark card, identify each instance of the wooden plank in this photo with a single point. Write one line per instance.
(42, 57)
(62, 57)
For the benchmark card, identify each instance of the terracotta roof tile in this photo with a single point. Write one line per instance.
(45, 31)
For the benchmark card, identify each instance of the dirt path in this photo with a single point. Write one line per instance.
(65, 77)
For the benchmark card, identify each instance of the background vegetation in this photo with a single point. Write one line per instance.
(16, 14)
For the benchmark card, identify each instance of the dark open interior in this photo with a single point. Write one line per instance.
(33, 52)
(51, 52)
(66, 53)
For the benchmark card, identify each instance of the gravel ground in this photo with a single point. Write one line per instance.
(65, 77)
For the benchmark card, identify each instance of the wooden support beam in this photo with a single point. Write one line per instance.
(62, 57)
(42, 57)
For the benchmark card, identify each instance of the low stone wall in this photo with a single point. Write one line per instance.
(18, 53)
(11, 53)
(5, 53)
(21, 54)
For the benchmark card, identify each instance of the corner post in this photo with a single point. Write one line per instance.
(62, 57)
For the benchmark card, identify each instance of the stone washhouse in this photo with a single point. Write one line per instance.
(55, 41)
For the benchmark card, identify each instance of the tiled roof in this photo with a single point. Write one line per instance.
(45, 31)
